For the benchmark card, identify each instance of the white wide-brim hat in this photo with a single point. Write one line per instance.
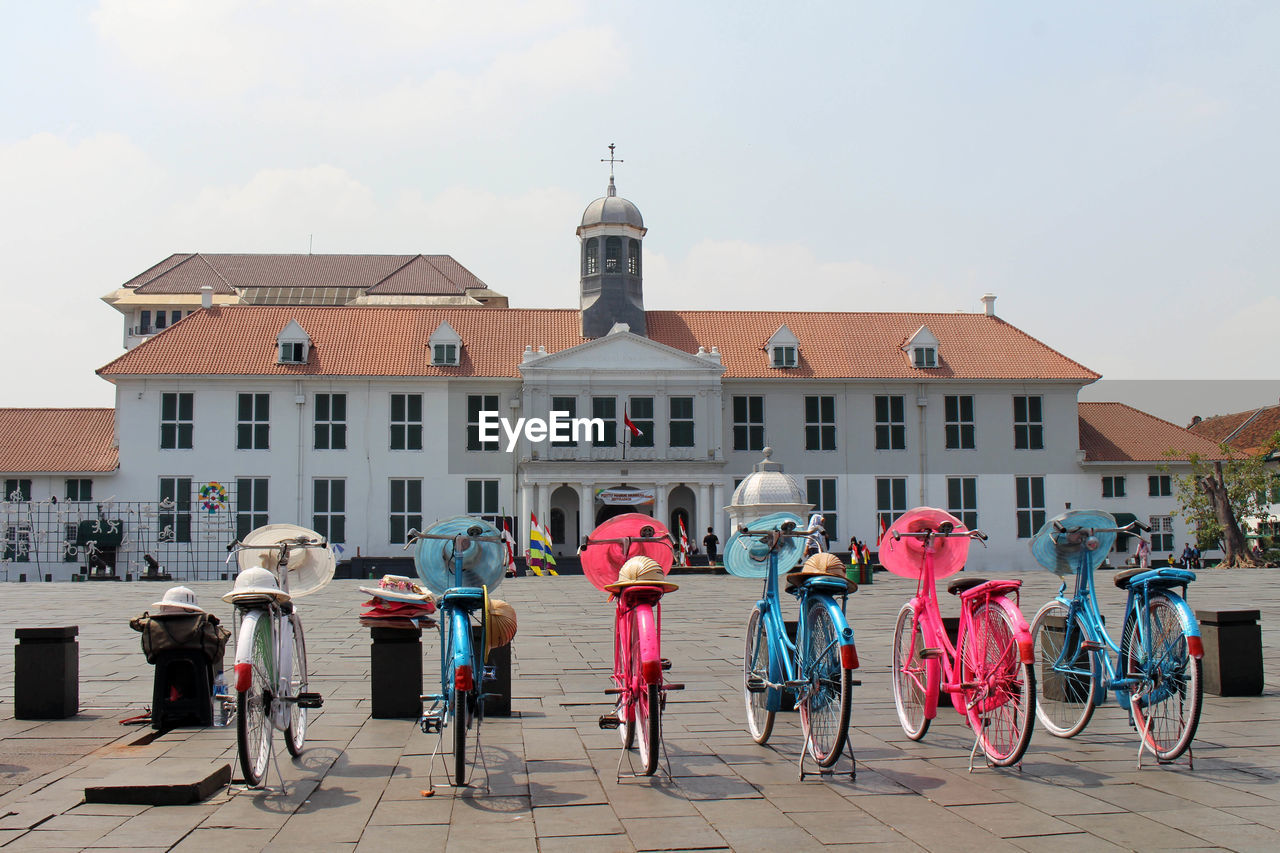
(178, 599)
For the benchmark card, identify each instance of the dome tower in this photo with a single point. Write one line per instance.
(612, 288)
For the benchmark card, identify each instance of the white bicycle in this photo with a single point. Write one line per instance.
(278, 564)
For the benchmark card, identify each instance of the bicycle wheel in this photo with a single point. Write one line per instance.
(1000, 691)
(1064, 703)
(910, 680)
(1166, 703)
(649, 726)
(756, 665)
(296, 733)
(253, 705)
(824, 711)
(630, 678)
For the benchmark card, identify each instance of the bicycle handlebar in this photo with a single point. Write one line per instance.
(298, 542)
(646, 535)
(1128, 528)
(472, 535)
(946, 531)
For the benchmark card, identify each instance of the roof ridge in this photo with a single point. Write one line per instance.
(161, 275)
(1246, 422)
(389, 275)
(213, 270)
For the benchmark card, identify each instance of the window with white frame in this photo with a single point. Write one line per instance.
(957, 412)
(174, 519)
(251, 504)
(891, 422)
(1159, 485)
(680, 424)
(1028, 423)
(444, 354)
(329, 509)
(821, 492)
(748, 423)
(477, 403)
(820, 423)
(482, 497)
(406, 509)
(1161, 533)
(79, 489)
(569, 406)
(331, 422)
(891, 500)
(177, 420)
(1030, 501)
(293, 352)
(962, 500)
(784, 356)
(641, 415)
(253, 422)
(606, 410)
(925, 357)
(1113, 487)
(406, 421)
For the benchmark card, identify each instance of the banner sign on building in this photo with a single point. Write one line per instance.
(624, 497)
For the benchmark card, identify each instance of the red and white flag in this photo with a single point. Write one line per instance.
(884, 528)
(626, 421)
(684, 537)
(509, 542)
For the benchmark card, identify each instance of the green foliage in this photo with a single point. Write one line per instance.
(1250, 483)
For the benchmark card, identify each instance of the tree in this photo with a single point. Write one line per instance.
(1219, 492)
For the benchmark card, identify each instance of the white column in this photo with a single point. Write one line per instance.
(526, 506)
(717, 511)
(660, 505)
(586, 509)
(705, 512)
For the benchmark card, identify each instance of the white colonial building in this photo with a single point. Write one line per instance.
(364, 420)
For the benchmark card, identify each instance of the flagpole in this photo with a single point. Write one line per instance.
(626, 416)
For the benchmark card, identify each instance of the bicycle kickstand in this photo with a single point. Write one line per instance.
(804, 752)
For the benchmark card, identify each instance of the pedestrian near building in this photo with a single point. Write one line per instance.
(711, 544)
(1144, 553)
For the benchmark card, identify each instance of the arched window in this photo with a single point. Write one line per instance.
(612, 253)
(557, 526)
(633, 257)
(590, 259)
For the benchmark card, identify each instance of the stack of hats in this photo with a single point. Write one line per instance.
(398, 602)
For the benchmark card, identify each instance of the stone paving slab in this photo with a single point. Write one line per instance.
(553, 775)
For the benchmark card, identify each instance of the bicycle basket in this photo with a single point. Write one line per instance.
(905, 557)
(600, 563)
(310, 569)
(1057, 553)
(747, 556)
(482, 562)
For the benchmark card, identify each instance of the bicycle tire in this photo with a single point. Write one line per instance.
(824, 711)
(630, 678)
(649, 726)
(910, 676)
(1001, 704)
(1064, 702)
(295, 735)
(1168, 721)
(253, 705)
(756, 663)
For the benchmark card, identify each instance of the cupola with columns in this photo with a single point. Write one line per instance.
(612, 289)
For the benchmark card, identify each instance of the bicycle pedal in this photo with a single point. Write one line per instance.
(310, 700)
(756, 684)
(666, 664)
(673, 687)
(1090, 646)
(927, 654)
(432, 723)
(613, 691)
(609, 721)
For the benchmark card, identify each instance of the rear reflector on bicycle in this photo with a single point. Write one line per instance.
(244, 676)
(1026, 651)
(1195, 647)
(651, 671)
(463, 679)
(849, 657)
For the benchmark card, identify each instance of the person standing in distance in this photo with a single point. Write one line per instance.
(710, 543)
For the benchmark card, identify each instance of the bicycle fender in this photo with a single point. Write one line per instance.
(848, 659)
(650, 650)
(460, 639)
(1190, 625)
(1021, 630)
(244, 649)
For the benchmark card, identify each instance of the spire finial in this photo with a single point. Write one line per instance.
(612, 190)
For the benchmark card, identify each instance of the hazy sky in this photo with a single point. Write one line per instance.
(1108, 170)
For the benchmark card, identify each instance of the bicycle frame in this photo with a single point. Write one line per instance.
(1084, 604)
(281, 655)
(637, 607)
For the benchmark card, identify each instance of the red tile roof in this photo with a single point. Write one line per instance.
(1249, 431)
(387, 274)
(1115, 432)
(34, 441)
(392, 341)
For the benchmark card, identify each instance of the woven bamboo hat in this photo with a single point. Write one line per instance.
(641, 571)
(500, 624)
(821, 565)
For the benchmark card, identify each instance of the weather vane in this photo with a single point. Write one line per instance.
(611, 160)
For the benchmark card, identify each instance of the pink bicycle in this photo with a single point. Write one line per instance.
(988, 672)
(629, 556)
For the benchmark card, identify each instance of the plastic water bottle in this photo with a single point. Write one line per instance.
(220, 697)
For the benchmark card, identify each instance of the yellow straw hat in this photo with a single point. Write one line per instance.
(641, 571)
(501, 624)
(821, 565)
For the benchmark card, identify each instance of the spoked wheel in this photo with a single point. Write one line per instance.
(910, 679)
(824, 712)
(461, 722)
(253, 706)
(756, 668)
(1001, 691)
(295, 736)
(1166, 705)
(1067, 681)
(626, 728)
(649, 726)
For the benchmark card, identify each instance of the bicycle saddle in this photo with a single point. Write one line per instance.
(959, 585)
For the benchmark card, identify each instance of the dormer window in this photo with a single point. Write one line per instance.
(444, 354)
(921, 349)
(293, 352)
(783, 347)
(293, 344)
(446, 346)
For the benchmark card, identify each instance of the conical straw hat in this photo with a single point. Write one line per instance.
(501, 625)
(820, 565)
(641, 571)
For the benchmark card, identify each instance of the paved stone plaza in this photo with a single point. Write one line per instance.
(552, 772)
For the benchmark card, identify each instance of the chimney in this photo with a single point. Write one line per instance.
(206, 296)
(1195, 420)
(989, 304)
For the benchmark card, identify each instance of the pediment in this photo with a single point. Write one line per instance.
(623, 351)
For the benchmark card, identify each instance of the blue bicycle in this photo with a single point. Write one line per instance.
(459, 559)
(817, 668)
(1156, 671)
